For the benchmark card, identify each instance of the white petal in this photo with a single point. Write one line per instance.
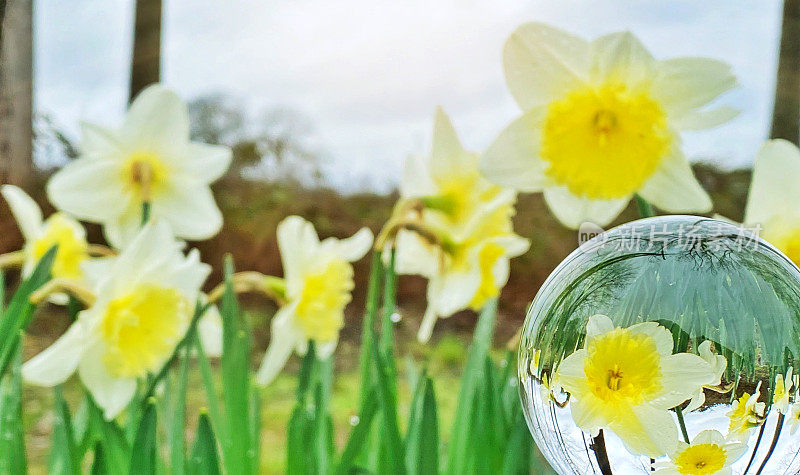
(353, 248)
(157, 121)
(573, 211)
(681, 376)
(191, 211)
(709, 437)
(674, 188)
(447, 155)
(512, 160)
(697, 401)
(186, 274)
(58, 361)
(89, 189)
(647, 431)
(659, 334)
(774, 189)
(207, 163)
(621, 57)
(209, 329)
(426, 326)
(25, 210)
(282, 342)
(453, 291)
(704, 119)
(598, 325)
(588, 414)
(298, 243)
(417, 181)
(542, 63)
(120, 230)
(683, 84)
(571, 375)
(96, 269)
(513, 245)
(97, 141)
(413, 255)
(325, 350)
(110, 393)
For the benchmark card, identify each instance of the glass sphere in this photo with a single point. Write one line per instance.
(667, 346)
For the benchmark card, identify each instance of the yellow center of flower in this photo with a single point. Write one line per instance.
(487, 258)
(320, 308)
(604, 142)
(701, 459)
(72, 249)
(780, 389)
(144, 174)
(623, 367)
(141, 329)
(743, 417)
(461, 195)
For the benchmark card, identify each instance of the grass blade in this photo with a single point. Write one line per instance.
(63, 453)
(458, 450)
(177, 445)
(12, 434)
(144, 458)
(368, 325)
(210, 389)
(422, 439)
(359, 434)
(394, 460)
(204, 459)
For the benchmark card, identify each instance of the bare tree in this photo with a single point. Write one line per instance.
(786, 111)
(146, 60)
(16, 92)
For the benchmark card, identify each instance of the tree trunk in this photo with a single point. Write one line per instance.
(16, 93)
(146, 60)
(786, 111)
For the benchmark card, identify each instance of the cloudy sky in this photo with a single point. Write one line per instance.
(369, 73)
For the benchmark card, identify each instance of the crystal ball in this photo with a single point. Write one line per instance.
(666, 346)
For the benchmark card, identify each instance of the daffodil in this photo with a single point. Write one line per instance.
(708, 454)
(40, 235)
(144, 307)
(448, 181)
(746, 413)
(601, 122)
(318, 283)
(626, 380)
(793, 419)
(782, 391)
(718, 364)
(773, 203)
(148, 159)
(468, 265)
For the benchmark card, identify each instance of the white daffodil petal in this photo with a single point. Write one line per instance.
(426, 326)
(659, 334)
(98, 141)
(598, 325)
(512, 160)
(184, 205)
(58, 361)
(570, 372)
(587, 416)
(681, 376)
(120, 230)
(209, 329)
(621, 57)
(353, 248)
(447, 155)
(156, 118)
(674, 188)
(573, 211)
(773, 189)
(282, 342)
(325, 350)
(413, 255)
(25, 210)
(683, 84)
(89, 189)
(110, 393)
(542, 63)
(207, 163)
(297, 239)
(417, 181)
(649, 431)
(704, 119)
(453, 291)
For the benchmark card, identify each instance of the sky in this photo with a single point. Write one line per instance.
(368, 74)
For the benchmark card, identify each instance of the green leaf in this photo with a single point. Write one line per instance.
(359, 434)
(63, 453)
(17, 315)
(236, 380)
(387, 325)
(517, 456)
(458, 451)
(210, 388)
(116, 452)
(177, 419)
(299, 434)
(204, 459)
(144, 458)
(12, 434)
(99, 466)
(368, 325)
(394, 460)
(422, 438)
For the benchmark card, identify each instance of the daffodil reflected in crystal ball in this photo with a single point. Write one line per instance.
(666, 346)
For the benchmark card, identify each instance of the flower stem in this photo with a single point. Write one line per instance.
(599, 447)
(682, 423)
(145, 212)
(755, 448)
(645, 208)
(778, 427)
